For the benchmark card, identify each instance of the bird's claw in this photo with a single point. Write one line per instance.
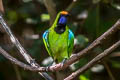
(47, 68)
(63, 62)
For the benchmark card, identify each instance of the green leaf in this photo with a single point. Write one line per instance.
(45, 17)
(116, 64)
(82, 77)
(12, 16)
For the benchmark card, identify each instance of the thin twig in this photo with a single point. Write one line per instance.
(1, 7)
(15, 61)
(69, 8)
(1, 11)
(21, 64)
(16, 43)
(93, 61)
(108, 70)
(50, 5)
(18, 76)
(21, 49)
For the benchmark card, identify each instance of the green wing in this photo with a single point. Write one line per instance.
(46, 42)
(70, 42)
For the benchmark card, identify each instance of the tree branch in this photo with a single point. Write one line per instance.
(76, 57)
(98, 41)
(23, 52)
(108, 70)
(15, 61)
(69, 8)
(93, 61)
(82, 53)
(21, 64)
(50, 5)
(1, 11)
(1, 7)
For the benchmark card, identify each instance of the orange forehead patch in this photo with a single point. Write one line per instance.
(64, 12)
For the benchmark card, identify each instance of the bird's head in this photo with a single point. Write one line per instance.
(62, 20)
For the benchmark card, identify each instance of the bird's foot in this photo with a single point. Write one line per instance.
(47, 68)
(63, 62)
(53, 62)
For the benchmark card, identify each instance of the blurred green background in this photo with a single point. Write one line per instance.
(89, 19)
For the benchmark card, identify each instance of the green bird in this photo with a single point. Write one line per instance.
(59, 39)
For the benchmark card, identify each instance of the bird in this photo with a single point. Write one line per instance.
(59, 39)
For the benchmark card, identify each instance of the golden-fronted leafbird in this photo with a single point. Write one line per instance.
(59, 39)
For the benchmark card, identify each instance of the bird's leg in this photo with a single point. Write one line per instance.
(63, 62)
(52, 63)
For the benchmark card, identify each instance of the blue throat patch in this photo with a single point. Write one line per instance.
(62, 20)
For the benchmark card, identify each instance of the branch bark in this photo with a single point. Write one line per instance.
(23, 52)
(98, 41)
(76, 57)
(93, 61)
(69, 8)
(21, 64)
(82, 53)
(15, 61)
(50, 5)
(19, 46)
(109, 71)
(1, 7)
